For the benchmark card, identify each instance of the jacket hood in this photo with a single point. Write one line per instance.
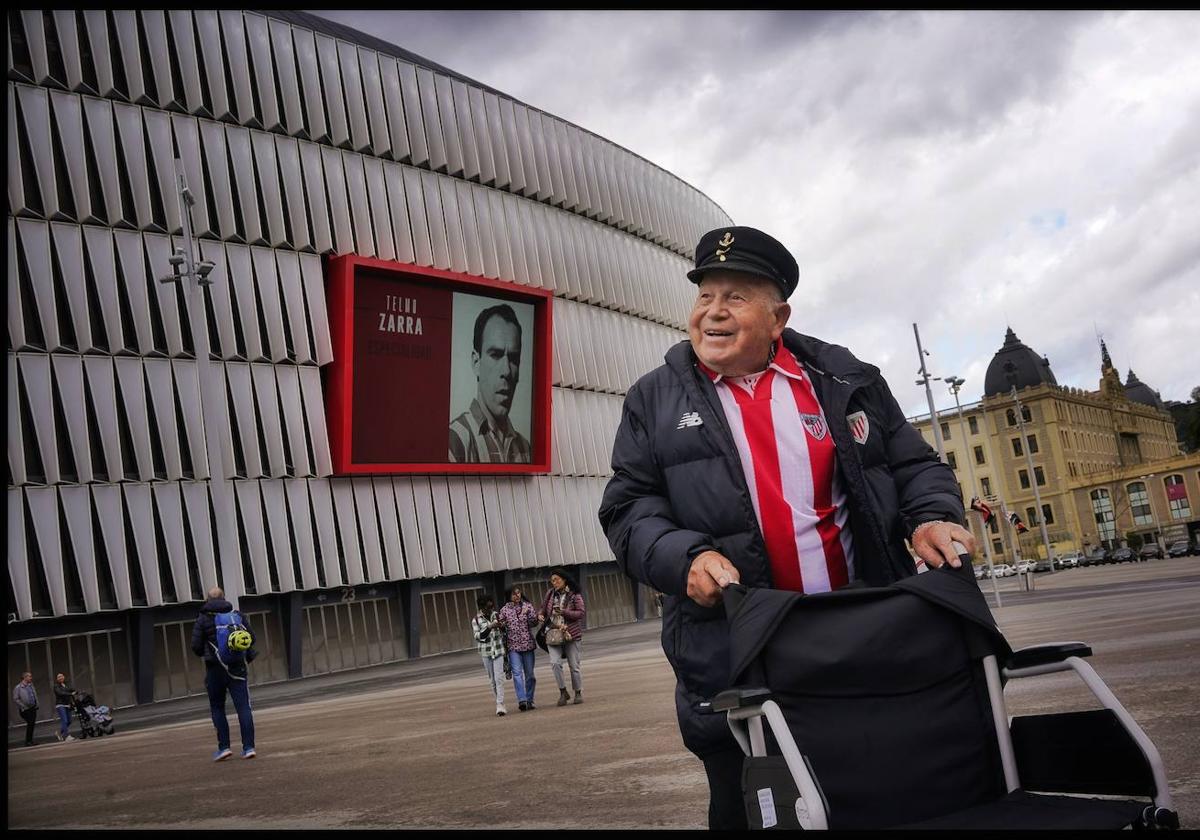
(216, 605)
(832, 359)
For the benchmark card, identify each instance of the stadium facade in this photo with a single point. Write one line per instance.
(300, 140)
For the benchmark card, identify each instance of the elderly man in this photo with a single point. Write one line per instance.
(484, 433)
(760, 455)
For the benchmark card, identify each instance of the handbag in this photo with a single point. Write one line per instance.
(557, 633)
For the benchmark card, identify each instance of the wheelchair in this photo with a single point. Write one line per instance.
(884, 708)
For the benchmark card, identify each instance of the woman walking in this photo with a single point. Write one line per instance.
(489, 638)
(64, 701)
(517, 617)
(563, 611)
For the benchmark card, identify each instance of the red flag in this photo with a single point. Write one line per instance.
(1017, 523)
(981, 506)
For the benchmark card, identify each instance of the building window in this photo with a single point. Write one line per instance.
(1011, 417)
(1017, 450)
(992, 526)
(987, 486)
(1033, 445)
(979, 455)
(973, 425)
(945, 431)
(1039, 476)
(1102, 509)
(1030, 517)
(1025, 415)
(1139, 504)
(951, 460)
(1177, 497)
(997, 547)
(1024, 476)
(1047, 514)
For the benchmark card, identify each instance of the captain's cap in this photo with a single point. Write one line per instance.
(749, 251)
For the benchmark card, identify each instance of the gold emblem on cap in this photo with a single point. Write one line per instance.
(724, 244)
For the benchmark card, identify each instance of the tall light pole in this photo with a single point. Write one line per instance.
(924, 380)
(194, 277)
(1010, 373)
(955, 383)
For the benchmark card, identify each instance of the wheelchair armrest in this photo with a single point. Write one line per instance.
(1046, 654)
(733, 698)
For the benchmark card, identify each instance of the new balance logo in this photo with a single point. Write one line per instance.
(690, 419)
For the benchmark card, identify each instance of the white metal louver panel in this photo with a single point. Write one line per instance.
(529, 163)
(220, 306)
(67, 112)
(199, 517)
(523, 235)
(187, 140)
(77, 510)
(16, 187)
(389, 528)
(415, 564)
(43, 510)
(586, 144)
(372, 89)
(360, 213)
(95, 21)
(393, 98)
(413, 117)
(300, 508)
(68, 48)
(216, 158)
(288, 153)
(131, 268)
(422, 244)
(560, 550)
(285, 66)
(318, 201)
(18, 570)
(101, 385)
(454, 226)
(263, 73)
(485, 231)
(132, 134)
(288, 378)
(377, 201)
(496, 524)
(242, 404)
(512, 145)
(322, 509)
(110, 514)
(368, 525)
(466, 130)
(132, 388)
(35, 376)
(431, 192)
(434, 138)
(558, 182)
(314, 407)
(343, 506)
(310, 82)
(460, 515)
(470, 228)
(263, 146)
(233, 28)
(339, 210)
(154, 30)
(318, 317)
(537, 551)
(249, 502)
(16, 440)
(485, 559)
(208, 28)
(482, 135)
(183, 37)
(162, 157)
(431, 556)
(141, 522)
(502, 488)
(169, 502)
(68, 373)
(577, 277)
(34, 244)
(126, 28)
(495, 139)
(68, 249)
(545, 190)
(241, 157)
(275, 514)
(242, 287)
(292, 289)
(269, 423)
(34, 109)
(157, 256)
(498, 227)
(266, 282)
(352, 87)
(539, 224)
(331, 87)
(402, 235)
(162, 398)
(439, 496)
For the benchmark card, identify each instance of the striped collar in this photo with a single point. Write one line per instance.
(785, 362)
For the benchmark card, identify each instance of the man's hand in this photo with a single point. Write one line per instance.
(932, 543)
(710, 573)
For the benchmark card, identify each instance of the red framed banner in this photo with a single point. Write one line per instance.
(435, 371)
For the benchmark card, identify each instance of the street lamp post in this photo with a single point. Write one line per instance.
(955, 383)
(924, 380)
(1010, 373)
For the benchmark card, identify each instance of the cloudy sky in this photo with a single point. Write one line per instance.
(966, 171)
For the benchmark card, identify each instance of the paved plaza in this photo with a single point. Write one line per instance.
(416, 744)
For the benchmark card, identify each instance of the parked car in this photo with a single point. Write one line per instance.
(1003, 570)
(1179, 549)
(1025, 566)
(1096, 558)
(1150, 551)
(1069, 560)
(981, 572)
(1044, 565)
(1121, 555)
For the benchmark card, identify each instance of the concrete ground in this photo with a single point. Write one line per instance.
(416, 744)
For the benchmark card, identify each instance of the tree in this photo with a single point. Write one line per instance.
(1133, 539)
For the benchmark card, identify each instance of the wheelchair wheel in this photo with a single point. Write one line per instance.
(108, 730)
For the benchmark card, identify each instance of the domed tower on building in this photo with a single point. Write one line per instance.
(1019, 361)
(1139, 392)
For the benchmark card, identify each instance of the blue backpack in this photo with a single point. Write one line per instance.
(226, 624)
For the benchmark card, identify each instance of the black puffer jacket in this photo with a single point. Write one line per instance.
(204, 631)
(678, 488)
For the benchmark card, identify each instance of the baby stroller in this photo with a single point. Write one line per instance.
(94, 720)
(885, 708)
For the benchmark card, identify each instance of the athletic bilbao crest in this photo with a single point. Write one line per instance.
(860, 427)
(814, 424)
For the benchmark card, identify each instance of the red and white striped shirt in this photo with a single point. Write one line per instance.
(788, 456)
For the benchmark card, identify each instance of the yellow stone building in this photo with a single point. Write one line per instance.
(1106, 462)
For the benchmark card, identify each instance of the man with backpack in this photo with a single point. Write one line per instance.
(222, 636)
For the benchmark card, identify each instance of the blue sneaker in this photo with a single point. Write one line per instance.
(250, 753)
(221, 755)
